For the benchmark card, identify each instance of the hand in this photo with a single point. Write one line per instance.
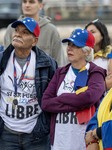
(108, 78)
(89, 137)
(93, 146)
(108, 81)
(109, 71)
(94, 134)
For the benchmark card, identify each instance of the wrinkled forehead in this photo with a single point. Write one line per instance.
(21, 28)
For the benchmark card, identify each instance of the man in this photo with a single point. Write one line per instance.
(25, 73)
(49, 39)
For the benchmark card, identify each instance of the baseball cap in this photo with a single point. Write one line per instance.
(80, 38)
(30, 24)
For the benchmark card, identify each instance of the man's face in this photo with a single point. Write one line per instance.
(23, 38)
(31, 7)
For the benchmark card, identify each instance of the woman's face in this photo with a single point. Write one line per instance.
(98, 37)
(74, 53)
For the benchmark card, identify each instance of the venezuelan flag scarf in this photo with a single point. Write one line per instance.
(81, 79)
(107, 54)
(80, 86)
(104, 117)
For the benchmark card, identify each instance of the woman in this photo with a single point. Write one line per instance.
(102, 57)
(102, 48)
(73, 93)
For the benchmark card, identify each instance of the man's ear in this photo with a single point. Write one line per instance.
(35, 41)
(41, 5)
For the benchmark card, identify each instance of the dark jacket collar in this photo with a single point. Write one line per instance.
(42, 59)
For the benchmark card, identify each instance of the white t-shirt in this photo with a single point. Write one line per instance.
(19, 112)
(102, 62)
(69, 135)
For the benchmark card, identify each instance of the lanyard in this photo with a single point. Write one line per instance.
(22, 75)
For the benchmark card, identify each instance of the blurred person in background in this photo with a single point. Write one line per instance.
(25, 71)
(49, 39)
(73, 94)
(102, 48)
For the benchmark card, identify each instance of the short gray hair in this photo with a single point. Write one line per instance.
(90, 57)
